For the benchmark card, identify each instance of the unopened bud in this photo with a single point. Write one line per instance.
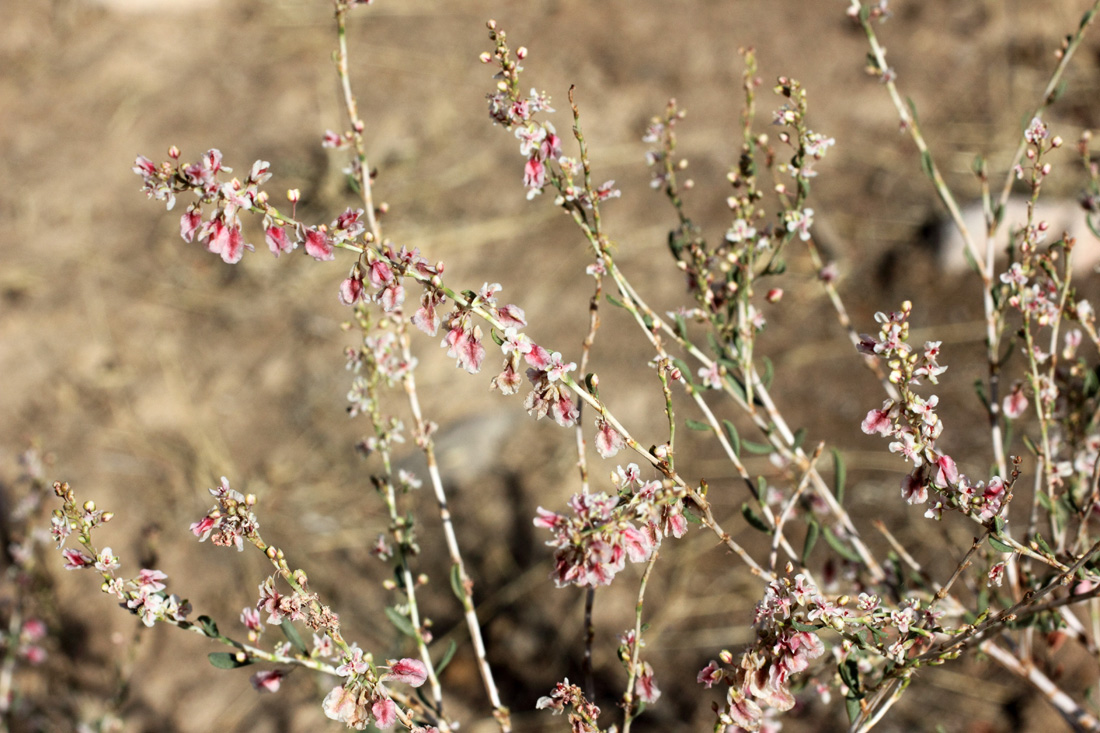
(485, 57)
(174, 153)
(521, 53)
(89, 506)
(775, 295)
(293, 195)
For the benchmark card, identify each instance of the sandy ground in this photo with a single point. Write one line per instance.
(147, 368)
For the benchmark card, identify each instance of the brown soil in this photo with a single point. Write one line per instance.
(148, 368)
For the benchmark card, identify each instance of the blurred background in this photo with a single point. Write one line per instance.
(145, 368)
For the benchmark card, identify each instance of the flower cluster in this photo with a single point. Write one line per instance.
(222, 231)
(592, 545)
(583, 715)
(145, 595)
(785, 645)
(538, 140)
(230, 521)
(914, 426)
(363, 699)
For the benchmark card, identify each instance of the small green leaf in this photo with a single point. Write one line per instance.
(912, 108)
(840, 476)
(999, 545)
(227, 660)
(852, 707)
(813, 531)
(840, 547)
(979, 389)
(293, 636)
(760, 449)
(751, 517)
(799, 626)
(769, 373)
(734, 438)
(208, 626)
(736, 386)
(400, 621)
(456, 584)
(497, 338)
(1042, 543)
(697, 425)
(681, 326)
(615, 301)
(926, 165)
(446, 658)
(849, 675)
(799, 438)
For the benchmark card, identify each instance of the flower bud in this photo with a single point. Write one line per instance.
(485, 57)
(89, 506)
(293, 195)
(521, 53)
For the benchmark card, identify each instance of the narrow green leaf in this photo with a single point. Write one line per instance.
(912, 109)
(497, 338)
(615, 301)
(751, 517)
(400, 621)
(1042, 543)
(798, 625)
(697, 425)
(926, 165)
(736, 386)
(999, 545)
(227, 660)
(979, 389)
(681, 326)
(799, 438)
(293, 636)
(840, 476)
(734, 438)
(841, 547)
(446, 658)
(813, 532)
(849, 675)
(760, 449)
(456, 584)
(769, 373)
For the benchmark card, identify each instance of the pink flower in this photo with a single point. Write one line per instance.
(463, 344)
(319, 246)
(913, 488)
(76, 560)
(709, 674)
(278, 241)
(1015, 403)
(189, 223)
(267, 680)
(608, 439)
(351, 289)
(534, 176)
(412, 672)
(646, 687)
(878, 421)
(946, 472)
(385, 712)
